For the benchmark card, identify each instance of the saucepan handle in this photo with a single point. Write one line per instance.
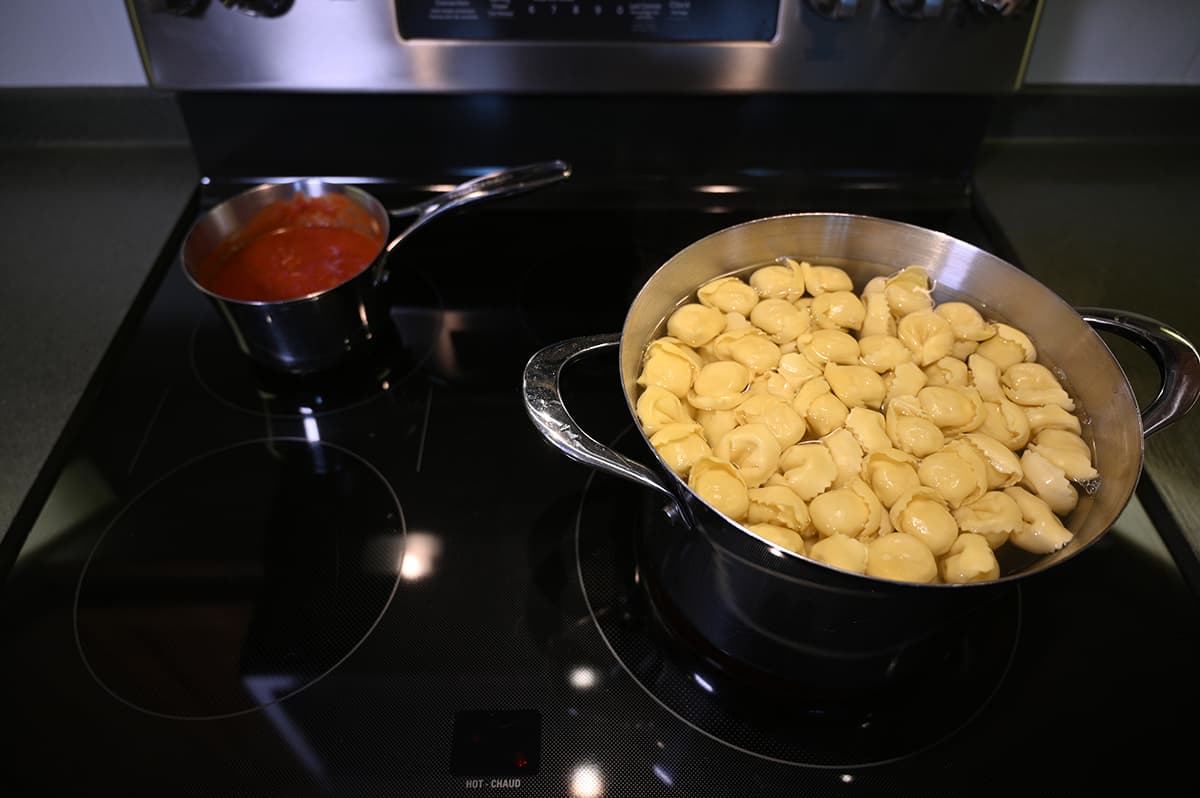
(544, 404)
(501, 183)
(1177, 360)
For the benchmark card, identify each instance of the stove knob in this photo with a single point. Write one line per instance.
(918, 9)
(834, 9)
(999, 8)
(259, 8)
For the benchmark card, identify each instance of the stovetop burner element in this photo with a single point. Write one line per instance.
(240, 579)
(927, 691)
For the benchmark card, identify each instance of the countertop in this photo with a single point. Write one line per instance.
(87, 199)
(1108, 222)
(1114, 224)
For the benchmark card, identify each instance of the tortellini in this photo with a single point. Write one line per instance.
(994, 517)
(1041, 531)
(877, 317)
(783, 280)
(695, 324)
(922, 513)
(819, 279)
(948, 371)
(728, 295)
(780, 320)
(1068, 451)
(910, 429)
(720, 483)
(906, 379)
(830, 346)
(778, 505)
(776, 414)
(877, 432)
(869, 428)
(657, 407)
(927, 334)
(720, 385)
(1008, 347)
(670, 364)
(680, 445)
(1007, 423)
(1034, 384)
(970, 559)
(1003, 467)
(883, 352)
(1048, 482)
(821, 408)
(840, 310)
(747, 345)
(891, 473)
(807, 468)
(908, 291)
(853, 511)
(954, 409)
(780, 536)
(842, 552)
(856, 386)
(956, 472)
(753, 449)
(714, 423)
(901, 558)
(966, 322)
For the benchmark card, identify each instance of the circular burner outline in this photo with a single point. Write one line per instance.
(758, 755)
(79, 648)
(416, 365)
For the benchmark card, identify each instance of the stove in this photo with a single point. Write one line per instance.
(381, 580)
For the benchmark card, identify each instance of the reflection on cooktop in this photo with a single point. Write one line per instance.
(239, 579)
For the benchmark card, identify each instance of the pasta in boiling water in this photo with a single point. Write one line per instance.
(877, 432)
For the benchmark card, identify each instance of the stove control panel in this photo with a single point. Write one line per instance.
(587, 46)
(596, 20)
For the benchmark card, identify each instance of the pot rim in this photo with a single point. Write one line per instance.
(685, 494)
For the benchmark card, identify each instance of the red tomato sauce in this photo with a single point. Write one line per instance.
(293, 248)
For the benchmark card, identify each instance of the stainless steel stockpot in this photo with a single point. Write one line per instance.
(322, 330)
(757, 603)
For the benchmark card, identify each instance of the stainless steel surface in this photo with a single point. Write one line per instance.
(1177, 360)
(327, 46)
(320, 331)
(545, 406)
(867, 247)
(298, 336)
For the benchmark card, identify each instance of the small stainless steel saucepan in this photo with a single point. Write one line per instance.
(316, 332)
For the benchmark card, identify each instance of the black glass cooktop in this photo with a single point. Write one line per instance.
(383, 581)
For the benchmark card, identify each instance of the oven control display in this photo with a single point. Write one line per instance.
(593, 20)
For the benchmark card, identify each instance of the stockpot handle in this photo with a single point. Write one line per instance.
(1177, 360)
(544, 404)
